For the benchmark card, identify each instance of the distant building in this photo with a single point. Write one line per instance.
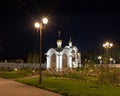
(61, 59)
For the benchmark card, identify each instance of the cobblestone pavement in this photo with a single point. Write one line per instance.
(13, 88)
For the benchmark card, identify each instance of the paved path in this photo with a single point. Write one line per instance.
(13, 88)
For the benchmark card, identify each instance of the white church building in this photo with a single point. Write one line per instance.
(61, 59)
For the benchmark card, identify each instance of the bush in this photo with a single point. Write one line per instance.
(64, 92)
(15, 74)
(6, 69)
(112, 76)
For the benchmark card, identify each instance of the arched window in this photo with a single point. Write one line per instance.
(65, 62)
(53, 62)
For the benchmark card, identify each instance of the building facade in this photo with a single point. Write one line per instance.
(61, 59)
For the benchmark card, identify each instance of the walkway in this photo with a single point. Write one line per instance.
(13, 88)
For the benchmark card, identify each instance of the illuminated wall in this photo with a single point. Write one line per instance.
(66, 58)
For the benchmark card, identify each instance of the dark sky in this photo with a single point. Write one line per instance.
(88, 22)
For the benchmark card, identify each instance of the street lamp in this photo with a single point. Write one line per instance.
(99, 58)
(111, 59)
(107, 45)
(39, 25)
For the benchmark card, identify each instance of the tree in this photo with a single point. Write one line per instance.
(29, 60)
(35, 58)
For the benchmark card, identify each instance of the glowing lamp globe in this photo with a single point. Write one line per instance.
(45, 20)
(37, 25)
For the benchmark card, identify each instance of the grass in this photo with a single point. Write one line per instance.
(14, 74)
(73, 87)
(65, 87)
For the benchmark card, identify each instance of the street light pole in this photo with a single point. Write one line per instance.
(40, 73)
(40, 26)
(107, 45)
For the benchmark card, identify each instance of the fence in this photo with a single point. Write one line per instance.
(12, 65)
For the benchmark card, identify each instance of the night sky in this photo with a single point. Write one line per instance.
(89, 23)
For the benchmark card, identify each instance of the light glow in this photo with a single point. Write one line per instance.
(45, 20)
(99, 57)
(111, 59)
(107, 45)
(37, 25)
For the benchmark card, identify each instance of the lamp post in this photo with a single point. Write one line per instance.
(107, 46)
(39, 25)
(99, 58)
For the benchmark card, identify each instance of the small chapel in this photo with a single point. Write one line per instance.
(62, 59)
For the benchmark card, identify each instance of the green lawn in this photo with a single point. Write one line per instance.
(14, 74)
(66, 87)
(73, 87)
